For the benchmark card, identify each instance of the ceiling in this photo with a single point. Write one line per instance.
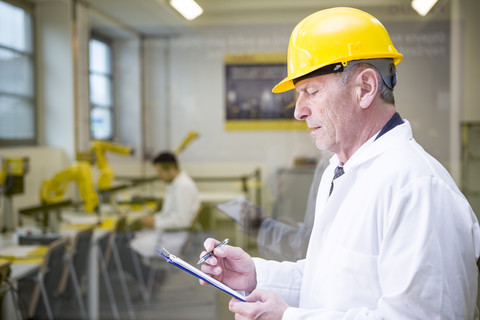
(157, 18)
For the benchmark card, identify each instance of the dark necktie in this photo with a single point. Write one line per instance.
(338, 172)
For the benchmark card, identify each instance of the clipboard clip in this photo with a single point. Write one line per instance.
(166, 255)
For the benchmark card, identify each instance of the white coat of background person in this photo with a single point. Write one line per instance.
(393, 237)
(180, 205)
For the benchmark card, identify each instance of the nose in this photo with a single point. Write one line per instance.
(302, 111)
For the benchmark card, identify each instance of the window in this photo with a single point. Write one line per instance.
(101, 90)
(17, 89)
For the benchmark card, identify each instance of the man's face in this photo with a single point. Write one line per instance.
(164, 174)
(327, 107)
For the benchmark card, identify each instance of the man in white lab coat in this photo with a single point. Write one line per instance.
(180, 205)
(393, 237)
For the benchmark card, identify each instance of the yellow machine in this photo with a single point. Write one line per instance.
(3, 173)
(186, 141)
(12, 176)
(53, 190)
(106, 174)
(12, 172)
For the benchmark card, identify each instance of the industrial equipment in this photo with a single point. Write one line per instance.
(52, 190)
(191, 135)
(106, 174)
(12, 174)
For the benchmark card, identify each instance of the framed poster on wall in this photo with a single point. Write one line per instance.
(250, 103)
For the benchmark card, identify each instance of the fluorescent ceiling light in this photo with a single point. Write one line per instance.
(187, 8)
(423, 6)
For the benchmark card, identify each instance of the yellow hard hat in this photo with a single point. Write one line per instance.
(336, 35)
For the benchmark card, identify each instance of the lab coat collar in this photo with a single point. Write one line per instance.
(175, 180)
(372, 148)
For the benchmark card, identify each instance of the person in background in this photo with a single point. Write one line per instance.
(393, 237)
(284, 240)
(180, 205)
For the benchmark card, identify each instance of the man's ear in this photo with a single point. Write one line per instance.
(368, 87)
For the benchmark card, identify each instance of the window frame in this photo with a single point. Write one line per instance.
(29, 8)
(111, 77)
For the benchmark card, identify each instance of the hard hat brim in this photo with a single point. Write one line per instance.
(287, 83)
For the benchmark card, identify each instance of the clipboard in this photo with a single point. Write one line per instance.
(235, 207)
(185, 266)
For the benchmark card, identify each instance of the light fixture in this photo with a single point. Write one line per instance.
(187, 8)
(423, 6)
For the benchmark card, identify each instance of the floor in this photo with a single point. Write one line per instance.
(176, 295)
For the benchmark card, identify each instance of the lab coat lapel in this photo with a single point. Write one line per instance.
(327, 207)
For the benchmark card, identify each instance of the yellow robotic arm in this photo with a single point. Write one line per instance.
(106, 174)
(52, 190)
(186, 141)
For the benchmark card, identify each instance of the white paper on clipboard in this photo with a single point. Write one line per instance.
(235, 207)
(185, 266)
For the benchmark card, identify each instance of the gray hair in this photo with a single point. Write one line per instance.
(386, 94)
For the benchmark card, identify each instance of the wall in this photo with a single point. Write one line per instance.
(54, 57)
(192, 95)
(157, 73)
(128, 120)
(472, 62)
(185, 91)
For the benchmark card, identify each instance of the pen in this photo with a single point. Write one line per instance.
(209, 254)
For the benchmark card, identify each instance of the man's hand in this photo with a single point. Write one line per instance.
(230, 265)
(148, 221)
(261, 305)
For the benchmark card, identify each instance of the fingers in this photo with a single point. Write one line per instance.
(211, 261)
(203, 283)
(266, 305)
(210, 265)
(209, 244)
(243, 310)
(234, 253)
(214, 271)
(230, 264)
(235, 305)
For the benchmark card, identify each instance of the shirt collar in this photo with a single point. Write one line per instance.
(394, 121)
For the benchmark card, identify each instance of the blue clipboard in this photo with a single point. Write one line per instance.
(185, 266)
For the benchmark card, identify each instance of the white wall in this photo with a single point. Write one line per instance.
(157, 117)
(185, 91)
(54, 57)
(194, 92)
(128, 122)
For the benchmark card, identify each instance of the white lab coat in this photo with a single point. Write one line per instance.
(180, 205)
(395, 240)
